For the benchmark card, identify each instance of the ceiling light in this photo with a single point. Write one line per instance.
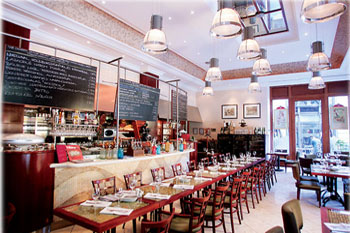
(185, 41)
(249, 48)
(317, 11)
(254, 85)
(56, 29)
(88, 41)
(262, 66)
(169, 18)
(226, 22)
(318, 60)
(316, 81)
(208, 90)
(155, 40)
(214, 72)
(306, 34)
(192, 12)
(103, 2)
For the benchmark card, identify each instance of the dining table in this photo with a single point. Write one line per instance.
(169, 191)
(331, 173)
(336, 219)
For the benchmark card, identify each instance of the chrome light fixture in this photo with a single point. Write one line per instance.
(214, 72)
(262, 66)
(155, 40)
(316, 81)
(318, 60)
(226, 22)
(208, 90)
(317, 11)
(254, 85)
(249, 48)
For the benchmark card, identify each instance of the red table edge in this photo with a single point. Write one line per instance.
(101, 227)
(324, 218)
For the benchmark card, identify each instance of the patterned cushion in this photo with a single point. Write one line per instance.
(182, 224)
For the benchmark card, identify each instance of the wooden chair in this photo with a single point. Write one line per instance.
(221, 158)
(192, 222)
(260, 182)
(292, 216)
(228, 154)
(215, 208)
(106, 186)
(305, 165)
(243, 192)
(205, 161)
(191, 165)
(232, 200)
(306, 184)
(177, 169)
(160, 226)
(213, 159)
(290, 161)
(159, 171)
(135, 175)
(252, 185)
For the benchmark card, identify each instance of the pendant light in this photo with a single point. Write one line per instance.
(316, 81)
(208, 90)
(318, 60)
(226, 22)
(317, 11)
(254, 85)
(155, 40)
(214, 72)
(249, 48)
(262, 66)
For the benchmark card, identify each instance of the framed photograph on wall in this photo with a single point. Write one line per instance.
(251, 111)
(201, 131)
(229, 111)
(195, 131)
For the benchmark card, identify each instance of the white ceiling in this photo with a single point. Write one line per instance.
(188, 30)
(49, 27)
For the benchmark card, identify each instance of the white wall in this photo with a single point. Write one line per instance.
(210, 108)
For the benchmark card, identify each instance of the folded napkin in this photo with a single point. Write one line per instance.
(218, 173)
(129, 192)
(116, 211)
(161, 185)
(110, 197)
(341, 227)
(157, 196)
(96, 203)
(186, 177)
(202, 179)
(183, 186)
(227, 168)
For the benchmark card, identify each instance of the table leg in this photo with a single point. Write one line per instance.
(278, 165)
(134, 225)
(332, 189)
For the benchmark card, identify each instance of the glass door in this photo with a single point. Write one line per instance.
(308, 127)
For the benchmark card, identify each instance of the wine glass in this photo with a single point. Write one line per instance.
(119, 195)
(158, 182)
(201, 169)
(138, 195)
(254, 153)
(132, 184)
(96, 194)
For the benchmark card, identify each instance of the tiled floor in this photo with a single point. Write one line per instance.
(266, 214)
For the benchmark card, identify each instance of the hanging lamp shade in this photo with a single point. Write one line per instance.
(155, 40)
(214, 72)
(316, 81)
(226, 22)
(249, 48)
(318, 60)
(208, 90)
(254, 85)
(262, 66)
(317, 11)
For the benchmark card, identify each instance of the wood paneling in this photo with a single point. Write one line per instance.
(338, 87)
(145, 80)
(279, 92)
(17, 30)
(302, 90)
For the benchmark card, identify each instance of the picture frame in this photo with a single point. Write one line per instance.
(251, 111)
(229, 111)
(195, 131)
(201, 131)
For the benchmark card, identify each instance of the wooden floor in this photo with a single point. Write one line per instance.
(266, 214)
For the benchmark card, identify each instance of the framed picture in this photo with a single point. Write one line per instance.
(251, 111)
(195, 131)
(229, 111)
(338, 117)
(201, 131)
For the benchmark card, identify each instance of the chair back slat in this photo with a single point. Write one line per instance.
(177, 169)
(106, 186)
(159, 171)
(138, 177)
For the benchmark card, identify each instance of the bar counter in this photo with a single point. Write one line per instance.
(73, 180)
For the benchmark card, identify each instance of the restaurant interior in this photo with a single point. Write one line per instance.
(175, 116)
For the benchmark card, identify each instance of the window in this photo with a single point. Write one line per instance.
(280, 125)
(338, 138)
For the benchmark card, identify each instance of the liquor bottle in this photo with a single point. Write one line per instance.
(167, 146)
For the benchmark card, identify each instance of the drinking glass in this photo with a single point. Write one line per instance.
(201, 169)
(138, 195)
(158, 182)
(132, 184)
(254, 153)
(95, 194)
(241, 155)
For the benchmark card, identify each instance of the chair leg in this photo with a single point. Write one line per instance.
(223, 221)
(213, 226)
(246, 203)
(231, 218)
(240, 206)
(251, 191)
(298, 193)
(238, 215)
(256, 195)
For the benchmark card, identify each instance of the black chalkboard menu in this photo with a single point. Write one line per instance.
(182, 106)
(40, 79)
(137, 101)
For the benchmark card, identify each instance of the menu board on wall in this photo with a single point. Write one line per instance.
(182, 106)
(137, 101)
(40, 79)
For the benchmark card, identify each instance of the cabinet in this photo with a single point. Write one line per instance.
(241, 143)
